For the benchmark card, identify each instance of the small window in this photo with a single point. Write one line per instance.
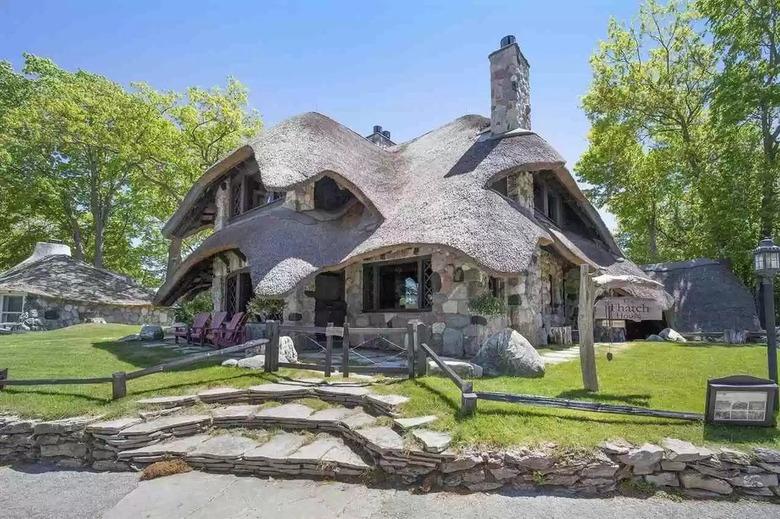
(501, 186)
(11, 308)
(328, 196)
(552, 206)
(247, 192)
(496, 287)
(238, 292)
(398, 286)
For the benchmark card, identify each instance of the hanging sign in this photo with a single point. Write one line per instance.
(627, 308)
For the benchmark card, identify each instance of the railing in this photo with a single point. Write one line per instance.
(402, 342)
(119, 379)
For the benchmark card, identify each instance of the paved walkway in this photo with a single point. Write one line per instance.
(557, 356)
(41, 492)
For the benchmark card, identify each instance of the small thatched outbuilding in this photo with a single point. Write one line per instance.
(65, 291)
(708, 297)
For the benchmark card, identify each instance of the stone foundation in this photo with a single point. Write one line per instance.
(58, 313)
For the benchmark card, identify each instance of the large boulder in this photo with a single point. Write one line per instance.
(287, 351)
(670, 335)
(151, 332)
(509, 353)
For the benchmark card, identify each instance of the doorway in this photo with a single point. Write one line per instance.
(329, 303)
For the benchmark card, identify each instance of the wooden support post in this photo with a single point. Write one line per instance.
(345, 352)
(174, 257)
(411, 343)
(272, 348)
(421, 359)
(118, 385)
(3, 376)
(590, 379)
(328, 352)
(468, 403)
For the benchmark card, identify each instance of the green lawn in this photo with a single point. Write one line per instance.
(658, 375)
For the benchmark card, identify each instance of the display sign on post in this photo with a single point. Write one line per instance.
(627, 309)
(741, 400)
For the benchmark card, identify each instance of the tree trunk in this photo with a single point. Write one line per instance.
(99, 231)
(590, 379)
(652, 237)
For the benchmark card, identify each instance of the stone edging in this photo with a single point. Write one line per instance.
(108, 446)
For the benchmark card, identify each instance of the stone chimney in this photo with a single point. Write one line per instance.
(510, 92)
(380, 137)
(45, 249)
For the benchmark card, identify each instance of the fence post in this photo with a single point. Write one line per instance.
(345, 352)
(3, 376)
(421, 360)
(468, 403)
(118, 385)
(328, 351)
(411, 343)
(272, 348)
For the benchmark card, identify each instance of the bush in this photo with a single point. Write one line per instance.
(186, 311)
(487, 304)
(267, 308)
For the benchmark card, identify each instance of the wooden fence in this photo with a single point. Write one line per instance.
(119, 379)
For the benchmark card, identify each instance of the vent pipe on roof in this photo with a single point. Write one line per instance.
(510, 91)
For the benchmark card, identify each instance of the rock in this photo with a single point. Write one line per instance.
(287, 351)
(502, 473)
(484, 486)
(452, 342)
(68, 450)
(432, 441)
(465, 462)
(754, 480)
(767, 455)
(733, 456)
(647, 454)
(531, 461)
(254, 362)
(560, 479)
(151, 332)
(678, 450)
(509, 353)
(615, 447)
(461, 367)
(668, 334)
(110, 466)
(642, 470)
(663, 479)
(759, 492)
(694, 480)
(654, 338)
(600, 471)
(770, 467)
(672, 466)
(230, 363)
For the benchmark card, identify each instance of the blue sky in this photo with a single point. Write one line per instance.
(409, 66)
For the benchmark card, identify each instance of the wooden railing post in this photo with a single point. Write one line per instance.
(3, 376)
(328, 351)
(411, 343)
(118, 385)
(272, 348)
(590, 379)
(345, 352)
(421, 360)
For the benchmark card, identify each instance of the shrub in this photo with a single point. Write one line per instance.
(186, 311)
(487, 304)
(267, 308)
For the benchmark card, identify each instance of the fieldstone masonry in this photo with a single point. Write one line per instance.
(510, 89)
(58, 313)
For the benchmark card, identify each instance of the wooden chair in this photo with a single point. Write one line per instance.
(233, 333)
(217, 321)
(198, 323)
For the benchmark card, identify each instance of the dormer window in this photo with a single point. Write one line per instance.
(247, 192)
(501, 186)
(329, 196)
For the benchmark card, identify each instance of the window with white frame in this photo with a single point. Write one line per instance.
(11, 307)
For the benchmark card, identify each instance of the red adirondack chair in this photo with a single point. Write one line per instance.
(233, 333)
(217, 321)
(198, 323)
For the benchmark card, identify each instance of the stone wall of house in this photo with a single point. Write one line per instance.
(222, 201)
(552, 270)
(58, 313)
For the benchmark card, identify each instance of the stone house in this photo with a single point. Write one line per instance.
(65, 291)
(469, 228)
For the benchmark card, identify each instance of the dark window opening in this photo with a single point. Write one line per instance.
(11, 308)
(328, 196)
(247, 192)
(496, 287)
(238, 292)
(552, 206)
(501, 186)
(399, 286)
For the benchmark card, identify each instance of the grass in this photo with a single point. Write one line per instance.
(658, 375)
(91, 350)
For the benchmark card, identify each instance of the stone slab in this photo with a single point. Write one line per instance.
(219, 393)
(333, 414)
(234, 412)
(177, 447)
(168, 401)
(414, 422)
(224, 446)
(343, 456)
(314, 451)
(277, 448)
(386, 400)
(112, 426)
(280, 390)
(383, 438)
(166, 422)
(355, 392)
(359, 420)
(285, 412)
(432, 441)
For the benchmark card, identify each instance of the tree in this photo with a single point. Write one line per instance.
(747, 33)
(101, 167)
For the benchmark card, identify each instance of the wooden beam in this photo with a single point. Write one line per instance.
(590, 379)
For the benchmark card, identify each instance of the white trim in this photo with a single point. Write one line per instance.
(5, 316)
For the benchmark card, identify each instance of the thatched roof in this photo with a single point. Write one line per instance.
(62, 277)
(431, 190)
(707, 295)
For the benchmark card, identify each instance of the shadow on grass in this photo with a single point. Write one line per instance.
(734, 434)
(642, 400)
(137, 355)
(56, 394)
